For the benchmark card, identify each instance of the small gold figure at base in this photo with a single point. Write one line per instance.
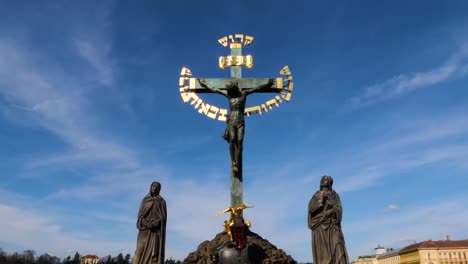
(235, 211)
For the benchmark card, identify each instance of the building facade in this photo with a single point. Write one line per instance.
(436, 252)
(90, 259)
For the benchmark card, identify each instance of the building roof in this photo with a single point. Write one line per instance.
(389, 253)
(379, 250)
(364, 259)
(90, 257)
(429, 244)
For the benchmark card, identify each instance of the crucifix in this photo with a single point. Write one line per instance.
(235, 89)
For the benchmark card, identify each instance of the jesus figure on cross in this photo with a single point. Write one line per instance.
(234, 133)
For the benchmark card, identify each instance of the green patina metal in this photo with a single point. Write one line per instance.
(244, 83)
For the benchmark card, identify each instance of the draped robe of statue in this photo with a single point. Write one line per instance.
(328, 246)
(151, 241)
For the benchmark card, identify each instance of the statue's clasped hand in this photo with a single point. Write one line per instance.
(154, 224)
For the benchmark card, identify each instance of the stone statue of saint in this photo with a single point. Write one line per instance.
(234, 133)
(324, 219)
(151, 224)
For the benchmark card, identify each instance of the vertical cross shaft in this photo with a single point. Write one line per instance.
(190, 87)
(236, 50)
(236, 182)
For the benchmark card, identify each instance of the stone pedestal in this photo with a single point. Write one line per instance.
(267, 252)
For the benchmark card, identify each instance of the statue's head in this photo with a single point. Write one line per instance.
(326, 181)
(239, 232)
(232, 85)
(155, 188)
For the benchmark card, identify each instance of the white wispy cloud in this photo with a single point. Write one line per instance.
(54, 101)
(455, 66)
(98, 57)
(414, 142)
(420, 221)
(392, 208)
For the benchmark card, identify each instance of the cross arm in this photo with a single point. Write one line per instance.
(205, 85)
(260, 88)
(244, 84)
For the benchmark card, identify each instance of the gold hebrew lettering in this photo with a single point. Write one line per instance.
(197, 103)
(186, 72)
(231, 39)
(213, 112)
(222, 115)
(240, 37)
(182, 81)
(279, 82)
(287, 92)
(271, 102)
(248, 61)
(196, 99)
(204, 108)
(264, 108)
(285, 71)
(222, 62)
(248, 40)
(186, 96)
(253, 109)
(229, 60)
(238, 60)
(278, 99)
(223, 41)
(193, 83)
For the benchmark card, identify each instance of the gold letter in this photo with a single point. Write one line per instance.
(285, 71)
(238, 60)
(222, 62)
(272, 102)
(186, 96)
(248, 61)
(213, 111)
(230, 60)
(286, 94)
(279, 82)
(222, 115)
(204, 109)
(253, 109)
(231, 38)
(240, 37)
(185, 71)
(278, 99)
(182, 80)
(223, 41)
(248, 40)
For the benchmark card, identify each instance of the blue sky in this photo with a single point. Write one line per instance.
(90, 115)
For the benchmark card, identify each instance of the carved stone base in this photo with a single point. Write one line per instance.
(267, 252)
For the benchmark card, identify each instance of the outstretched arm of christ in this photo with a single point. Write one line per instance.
(269, 84)
(213, 90)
